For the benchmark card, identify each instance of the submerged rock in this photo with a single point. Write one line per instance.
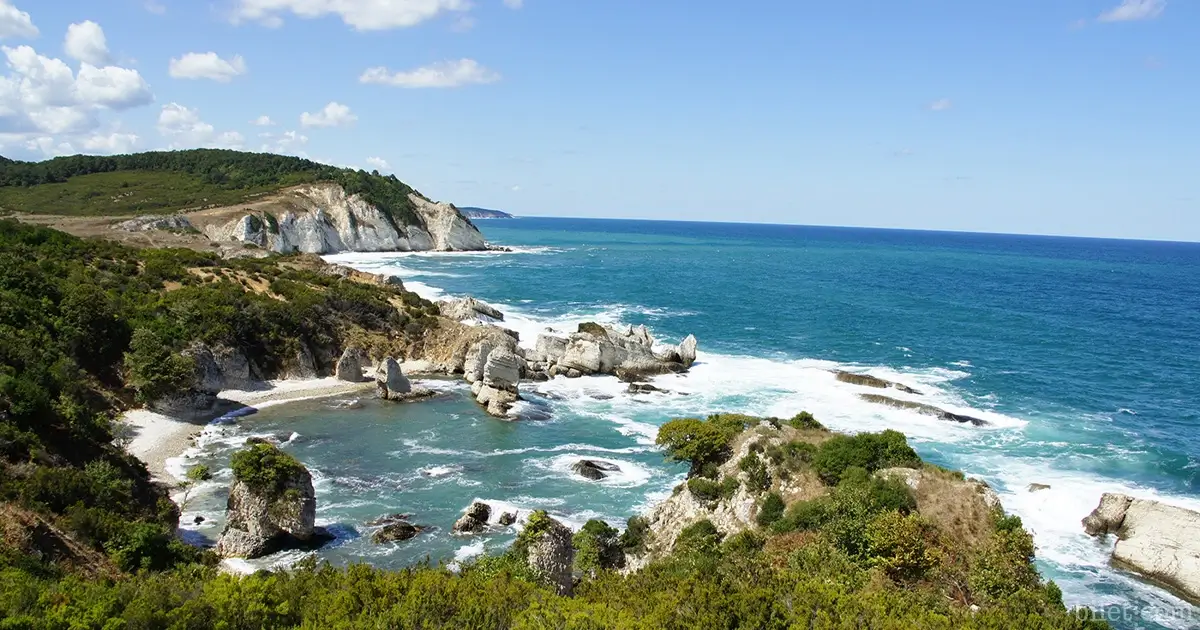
(271, 510)
(594, 470)
(396, 531)
(1035, 487)
(474, 520)
(866, 380)
(1154, 540)
(642, 388)
(928, 410)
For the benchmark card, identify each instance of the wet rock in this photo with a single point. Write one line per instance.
(866, 380)
(1108, 516)
(642, 388)
(507, 518)
(199, 519)
(1034, 487)
(396, 531)
(391, 518)
(474, 520)
(594, 470)
(928, 410)
(1155, 540)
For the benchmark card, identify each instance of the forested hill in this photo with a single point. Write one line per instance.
(168, 181)
(472, 212)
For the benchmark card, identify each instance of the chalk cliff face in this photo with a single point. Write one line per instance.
(323, 219)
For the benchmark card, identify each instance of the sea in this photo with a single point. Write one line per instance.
(1083, 356)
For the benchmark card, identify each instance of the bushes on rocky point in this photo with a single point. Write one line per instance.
(702, 443)
(771, 510)
(701, 537)
(597, 546)
(868, 451)
(806, 422)
(706, 489)
(758, 478)
(637, 530)
(262, 465)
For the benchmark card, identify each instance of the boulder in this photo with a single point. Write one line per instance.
(503, 369)
(396, 531)
(599, 349)
(551, 556)
(350, 366)
(302, 365)
(594, 470)
(264, 517)
(474, 520)
(548, 349)
(476, 360)
(469, 309)
(1035, 487)
(1155, 540)
(642, 388)
(507, 518)
(496, 401)
(392, 384)
(687, 351)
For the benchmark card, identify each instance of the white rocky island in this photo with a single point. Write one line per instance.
(1160, 542)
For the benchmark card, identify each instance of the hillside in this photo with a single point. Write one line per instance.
(176, 181)
(471, 212)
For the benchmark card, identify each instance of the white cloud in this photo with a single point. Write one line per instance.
(155, 7)
(207, 66)
(15, 22)
(363, 15)
(49, 147)
(110, 143)
(333, 115)
(1132, 10)
(185, 129)
(445, 74)
(379, 163)
(86, 42)
(112, 87)
(288, 142)
(263, 121)
(941, 105)
(514, 4)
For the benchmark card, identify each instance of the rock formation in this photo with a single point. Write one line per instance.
(497, 387)
(272, 508)
(507, 518)
(1154, 540)
(627, 352)
(323, 219)
(866, 380)
(928, 410)
(147, 223)
(216, 369)
(594, 470)
(469, 309)
(395, 528)
(474, 520)
(392, 384)
(550, 554)
(350, 366)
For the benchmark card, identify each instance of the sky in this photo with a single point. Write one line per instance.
(1074, 117)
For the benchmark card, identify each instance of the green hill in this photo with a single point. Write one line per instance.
(170, 181)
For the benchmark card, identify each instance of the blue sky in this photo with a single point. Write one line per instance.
(1056, 117)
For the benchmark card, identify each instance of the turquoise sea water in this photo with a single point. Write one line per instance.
(1082, 354)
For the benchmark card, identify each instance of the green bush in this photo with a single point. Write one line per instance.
(869, 451)
(791, 456)
(597, 547)
(806, 421)
(637, 530)
(264, 467)
(706, 489)
(758, 478)
(702, 443)
(771, 510)
(900, 545)
(701, 537)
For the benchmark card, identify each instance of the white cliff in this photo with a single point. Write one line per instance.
(323, 219)
(1155, 540)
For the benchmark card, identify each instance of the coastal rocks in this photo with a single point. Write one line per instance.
(496, 388)
(1154, 540)
(551, 556)
(302, 365)
(598, 349)
(866, 380)
(642, 388)
(594, 470)
(392, 384)
(395, 528)
(507, 518)
(923, 408)
(323, 219)
(474, 520)
(1037, 487)
(350, 366)
(1108, 516)
(469, 309)
(166, 223)
(268, 516)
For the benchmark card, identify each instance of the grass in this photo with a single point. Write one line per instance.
(130, 193)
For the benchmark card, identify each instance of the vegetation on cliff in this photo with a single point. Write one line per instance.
(165, 181)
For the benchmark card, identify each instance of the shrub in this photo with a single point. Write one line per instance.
(706, 489)
(806, 421)
(597, 547)
(791, 456)
(771, 510)
(155, 370)
(758, 478)
(701, 537)
(702, 443)
(263, 466)
(899, 544)
(637, 530)
(869, 451)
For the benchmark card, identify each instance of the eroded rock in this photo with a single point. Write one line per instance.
(474, 520)
(469, 309)
(350, 366)
(1155, 540)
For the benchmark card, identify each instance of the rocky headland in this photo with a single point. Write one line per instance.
(1157, 541)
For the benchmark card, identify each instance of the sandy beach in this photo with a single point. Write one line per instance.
(157, 437)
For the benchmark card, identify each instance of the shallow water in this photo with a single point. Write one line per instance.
(1078, 352)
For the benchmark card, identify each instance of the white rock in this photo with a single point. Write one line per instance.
(390, 380)
(1155, 540)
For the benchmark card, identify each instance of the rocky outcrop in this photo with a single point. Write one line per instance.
(550, 554)
(392, 384)
(469, 309)
(594, 470)
(923, 408)
(497, 389)
(395, 528)
(507, 518)
(627, 352)
(323, 219)
(263, 518)
(642, 388)
(216, 369)
(866, 380)
(1155, 540)
(148, 223)
(302, 364)
(474, 520)
(1037, 487)
(350, 366)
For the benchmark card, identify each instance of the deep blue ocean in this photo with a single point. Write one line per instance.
(1083, 355)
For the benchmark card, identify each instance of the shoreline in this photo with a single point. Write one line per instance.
(158, 437)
